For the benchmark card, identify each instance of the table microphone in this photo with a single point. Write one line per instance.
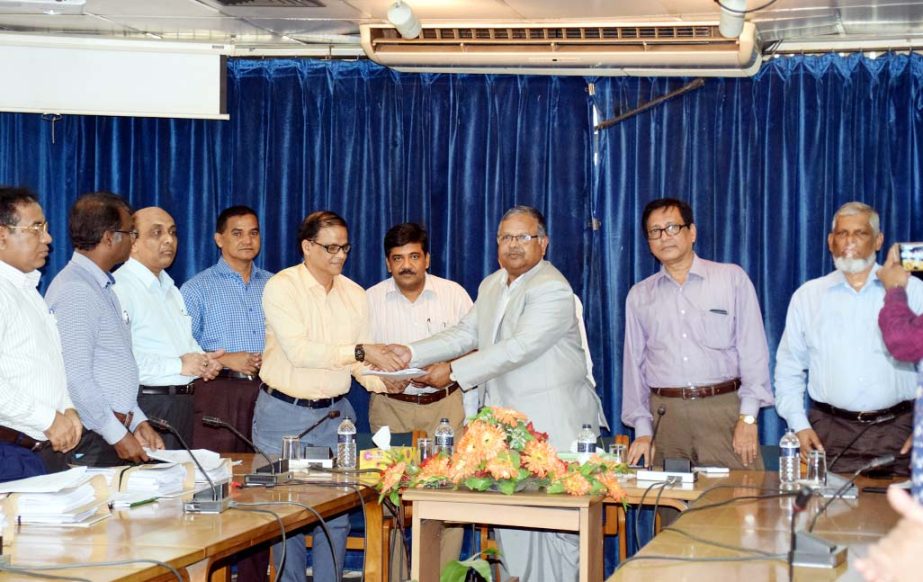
(329, 416)
(816, 552)
(271, 474)
(662, 410)
(882, 420)
(799, 504)
(218, 502)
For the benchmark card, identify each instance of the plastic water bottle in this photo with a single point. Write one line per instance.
(789, 458)
(346, 444)
(586, 443)
(445, 437)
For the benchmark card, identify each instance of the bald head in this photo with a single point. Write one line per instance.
(156, 244)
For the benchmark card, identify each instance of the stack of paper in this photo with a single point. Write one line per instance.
(70, 498)
(155, 480)
(217, 468)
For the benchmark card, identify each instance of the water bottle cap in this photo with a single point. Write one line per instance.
(443, 420)
(587, 425)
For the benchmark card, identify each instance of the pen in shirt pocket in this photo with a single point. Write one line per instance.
(719, 311)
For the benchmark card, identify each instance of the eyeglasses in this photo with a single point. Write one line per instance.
(134, 234)
(670, 229)
(37, 229)
(505, 239)
(333, 249)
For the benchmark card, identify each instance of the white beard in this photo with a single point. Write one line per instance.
(853, 265)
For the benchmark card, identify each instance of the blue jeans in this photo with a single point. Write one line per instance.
(272, 420)
(17, 462)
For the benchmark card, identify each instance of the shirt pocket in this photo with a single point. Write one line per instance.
(717, 328)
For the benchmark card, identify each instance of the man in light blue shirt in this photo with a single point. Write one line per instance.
(832, 345)
(102, 376)
(225, 302)
(169, 359)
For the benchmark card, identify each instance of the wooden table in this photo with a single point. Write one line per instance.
(762, 525)
(531, 510)
(198, 544)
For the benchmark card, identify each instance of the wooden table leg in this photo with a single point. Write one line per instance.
(424, 562)
(591, 543)
(375, 542)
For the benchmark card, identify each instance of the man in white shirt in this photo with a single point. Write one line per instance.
(169, 359)
(35, 406)
(408, 306)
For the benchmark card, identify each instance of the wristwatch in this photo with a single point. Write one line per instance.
(747, 419)
(360, 353)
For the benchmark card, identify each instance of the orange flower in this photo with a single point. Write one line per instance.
(558, 469)
(461, 468)
(481, 442)
(391, 477)
(539, 457)
(435, 467)
(507, 416)
(613, 488)
(575, 484)
(501, 466)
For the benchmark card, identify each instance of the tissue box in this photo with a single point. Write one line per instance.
(378, 458)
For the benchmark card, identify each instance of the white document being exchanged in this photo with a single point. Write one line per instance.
(405, 374)
(218, 468)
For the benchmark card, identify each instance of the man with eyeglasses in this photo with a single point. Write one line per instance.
(102, 375)
(317, 333)
(694, 347)
(35, 408)
(832, 345)
(529, 357)
(169, 358)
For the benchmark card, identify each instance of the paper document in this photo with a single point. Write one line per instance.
(218, 469)
(405, 374)
(46, 483)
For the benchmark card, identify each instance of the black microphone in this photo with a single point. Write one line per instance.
(218, 502)
(874, 463)
(271, 474)
(799, 504)
(330, 415)
(662, 410)
(882, 420)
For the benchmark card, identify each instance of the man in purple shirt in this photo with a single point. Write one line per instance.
(695, 348)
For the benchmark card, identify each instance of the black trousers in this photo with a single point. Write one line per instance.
(176, 409)
(883, 439)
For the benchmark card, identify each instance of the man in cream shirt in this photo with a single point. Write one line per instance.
(34, 403)
(317, 326)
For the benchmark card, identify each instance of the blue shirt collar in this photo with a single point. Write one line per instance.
(102, 278)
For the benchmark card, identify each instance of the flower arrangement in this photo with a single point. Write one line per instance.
(501, 450)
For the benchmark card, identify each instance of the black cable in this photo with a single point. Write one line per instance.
(246, 507)
(638, 509)
(700, 540)
(30, 570)
(320, 521)
(656, 506)
(735, 11)
(735, 500)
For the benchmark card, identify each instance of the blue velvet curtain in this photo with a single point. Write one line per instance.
(764, 161)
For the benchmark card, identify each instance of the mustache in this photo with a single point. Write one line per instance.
(407, 272)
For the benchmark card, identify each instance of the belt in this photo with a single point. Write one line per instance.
(695, 392)
(15, 437)
(303, 402)
(867, 416)
(225, 373)
(168, 390)
(427, 398)
(125, 419)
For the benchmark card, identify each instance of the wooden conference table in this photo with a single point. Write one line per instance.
(756, 524)
(197, 544)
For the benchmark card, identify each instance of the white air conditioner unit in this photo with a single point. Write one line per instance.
(594, 49)
(42, 6)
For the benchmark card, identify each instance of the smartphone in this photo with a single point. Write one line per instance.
(911, 255)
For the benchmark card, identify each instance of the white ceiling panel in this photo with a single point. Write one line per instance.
(60, 23)
(175, 8)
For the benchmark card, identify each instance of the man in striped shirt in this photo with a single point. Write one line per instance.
(102, 376)
(35, 407)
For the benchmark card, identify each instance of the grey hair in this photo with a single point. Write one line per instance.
(855, 208)
(529, 211)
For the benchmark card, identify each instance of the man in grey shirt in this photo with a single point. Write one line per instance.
(695, 347)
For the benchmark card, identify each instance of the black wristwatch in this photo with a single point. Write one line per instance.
(360, 353)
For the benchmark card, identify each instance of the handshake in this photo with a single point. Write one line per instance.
(394, 357)
(387, 357)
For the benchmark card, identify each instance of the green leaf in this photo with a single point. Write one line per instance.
(454, 571)
(483, 568)
(507, 486)
(478, 483)
(555, 488)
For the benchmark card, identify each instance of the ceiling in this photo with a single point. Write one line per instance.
(332, 27)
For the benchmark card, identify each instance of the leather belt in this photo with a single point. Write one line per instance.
(864, 417)
(125, 419)
(696, 392)
(427, 398)
(168, 390)
(303, 402)
(15, 437)
(225, 373)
